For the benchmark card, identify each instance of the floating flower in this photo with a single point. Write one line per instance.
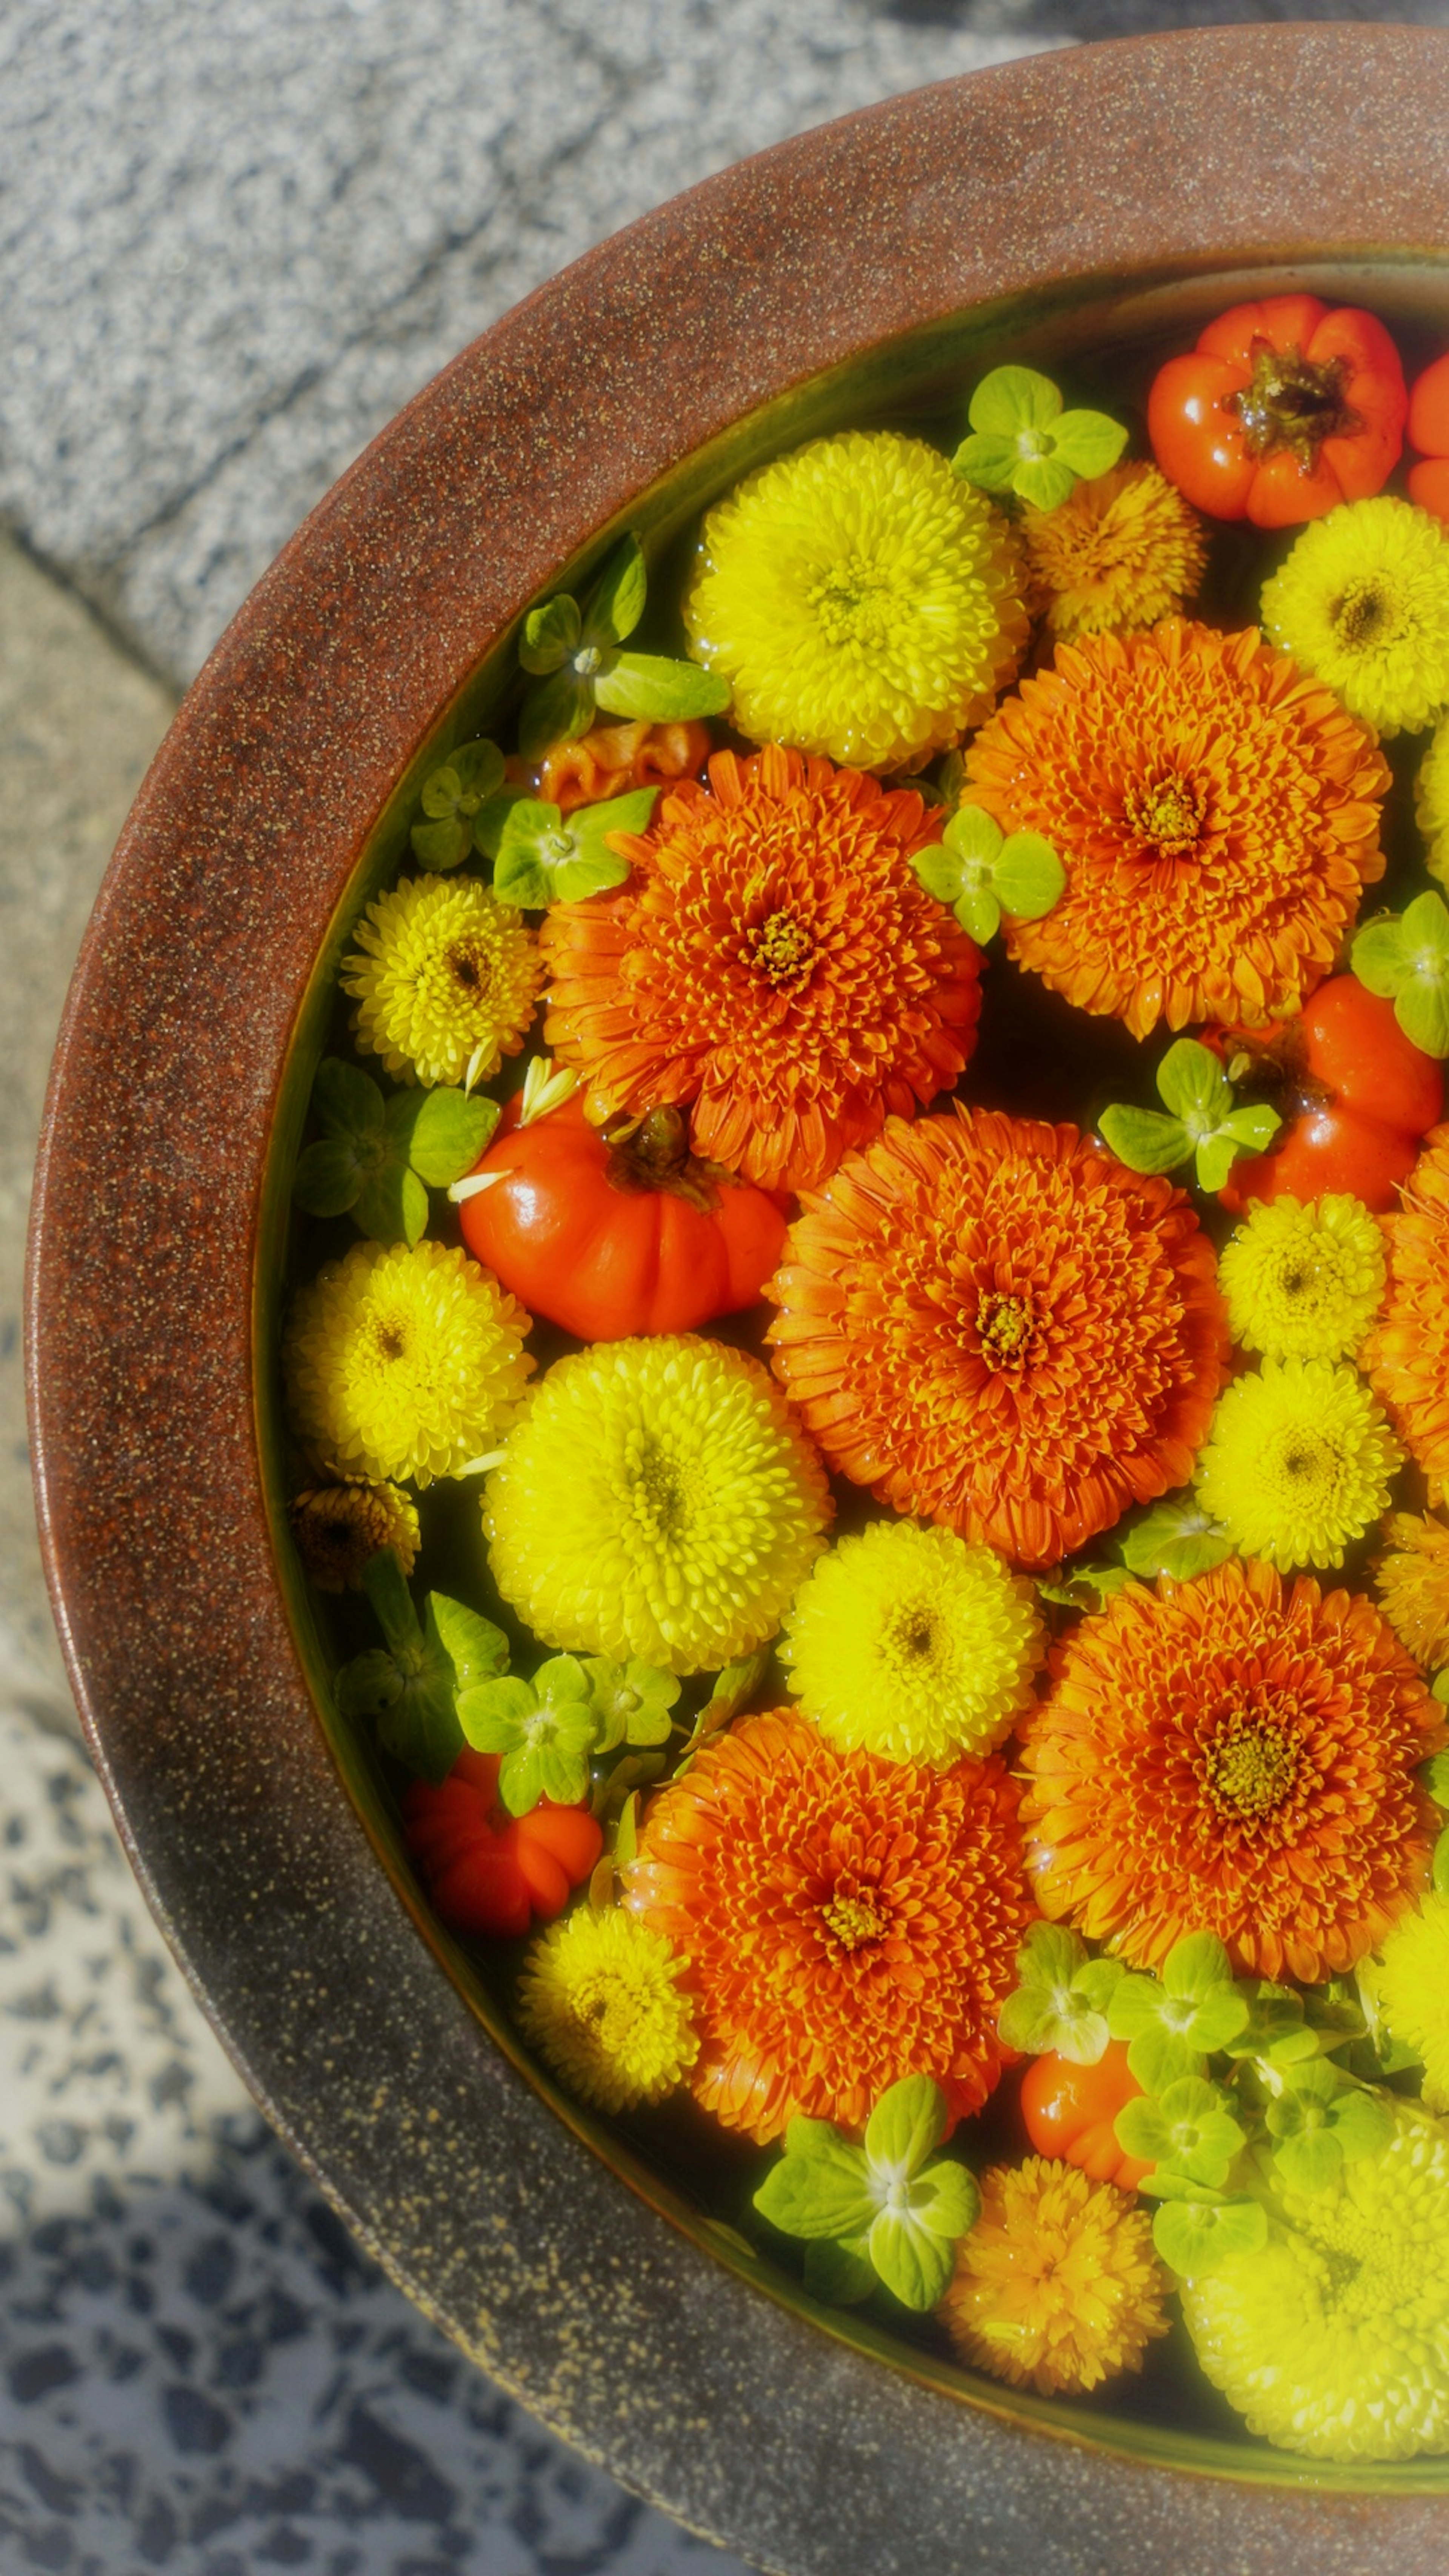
(1431, 803)
(1331, 2339)
(1303, 1279)
(1216, 812)
(1363, 603)
(774, 962)
(1298, 1463)
(656, 1501)
(612, 759)
(909, 1643)
(1412, 1580)
(860, 600)
(1411, 1988)
(1406, 1357)
(993, 1323)
(1124, 551)
(1057, 2285)
(338, 1527)
(847, 1921)
(1233, 1756)
(404, 1362)
(601, 1998)
(443, 974)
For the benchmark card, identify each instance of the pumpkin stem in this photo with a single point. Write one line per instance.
(651, 1152)
(1291, 402)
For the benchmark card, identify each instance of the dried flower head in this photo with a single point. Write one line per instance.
(601, 1998)
(404, 1363)
(442, 974)
(338, 1527)
(1363, 603)
(1235, 1756)
(1406, 1356)
(1123, 551)
(1298, 1462)
(993, 1323)
(1412, 1581)
(1216, 812)
(1303, 1279)
(861, 601)
(774, 962)
(848, 1921)
(656, 1501)
(1057, 2285)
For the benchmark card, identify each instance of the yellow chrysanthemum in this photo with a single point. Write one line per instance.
(1431, 803)
(445, 978)
(600, 1998)
(656, 1500)
(1332, 2339)
(861, 601)
(1413, 1584)
(1121, 551)
(1411, 1988)
(909, 1643)
(1057, 2284)
(1297, 1463)
(338, 1527)
(1363, 603)
(1304, 1279)
(404, 1363)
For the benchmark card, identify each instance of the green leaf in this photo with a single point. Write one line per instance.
(550, 635)
(476, 1650)
(1044, 482)
(392, 1205)
(547, 857)
(1275, 2017)
(632, 1702)
(1440, 1685)
(1194, 2237)
(905, 2128)
(1177, 1538)
(1253, 1128)
(1362, 2123)
(840, 2273)
(1029, 877)
(946, 2198)
(1435, 1776)
(1051, 1955)
(1087, 441)
(450, 1131)
(617, 601)
(328, 1177)
(522, 1778)
(823, 2193)
(1195, 1966)
(488, 830)
(494, 1713)
(1309, 2160)
(915, 2264)
(1409, 961)
(385, 1584)
(1426, 934)
(1214, 1159)
(1421, 1008)
(346, 1102)
(1192, 1083)
(1012, 399)
(979, 914)
(557, 711)
(368, 1685)
(451, 799)
(421, 1728)
(1144, 1140)
(988, 461)
(1189, 2128)
(440, 846)
(1379, 957)
(1439, 1866)
(663, 692)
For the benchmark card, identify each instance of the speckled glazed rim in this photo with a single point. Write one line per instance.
(1104, 180)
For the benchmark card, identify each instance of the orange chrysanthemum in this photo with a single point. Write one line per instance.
(1233, 1755)
(994, 1323)
(774, 961)
(1406, 1356)
(847, 1921)
(1217, 814)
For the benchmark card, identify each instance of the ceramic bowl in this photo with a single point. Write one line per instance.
(1095, 201)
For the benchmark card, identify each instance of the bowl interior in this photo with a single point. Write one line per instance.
(1109, 339)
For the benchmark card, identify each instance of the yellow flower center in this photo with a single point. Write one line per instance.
(1168, 810)
(389, 1338)
(1252, 1768)
(1361, 616)
(470, 965)
(855, 604)
(1007, 1327)
(663, 1492)
(854, 1920)
(782, 950)
(608, 2007)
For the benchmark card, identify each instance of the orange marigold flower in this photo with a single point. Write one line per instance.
(1233, 1755)
(994, 1323)
(847, 1921)
(611, 759)
(1217, 814)
(1406, 1356)
(774, 961)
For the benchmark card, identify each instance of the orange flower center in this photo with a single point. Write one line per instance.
(854, 1920)
(1008, 1330)
(1252, 1768)
(1169, 810)
(782, 950)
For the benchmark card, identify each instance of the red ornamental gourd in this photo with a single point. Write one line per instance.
(617, 1231)
(1356, 1098)
(488, 1872)
(1283, 410)
(1429, 433)
(1069, 2113)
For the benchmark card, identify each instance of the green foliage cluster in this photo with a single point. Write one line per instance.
(887, 2211)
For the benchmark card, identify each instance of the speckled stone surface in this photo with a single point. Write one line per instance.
(745, 2419)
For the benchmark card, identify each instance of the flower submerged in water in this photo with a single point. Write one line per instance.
(404, 1363)
(909, 1643)
(1411, 1988)
(1303, 1279)
(1412, 1580)
(1363, 603)
(445, 978)
(847, 1921)
(774, 963)
(601, 1999)
(1217, 815)
(1406, 1357)
(656, 1501)
(1298, 1463)
(1122, 552)
(1235, 1756)
(1330, 2339)
(1057, 2285)
(992, 1322)
(860, 600)
(338, 1527)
